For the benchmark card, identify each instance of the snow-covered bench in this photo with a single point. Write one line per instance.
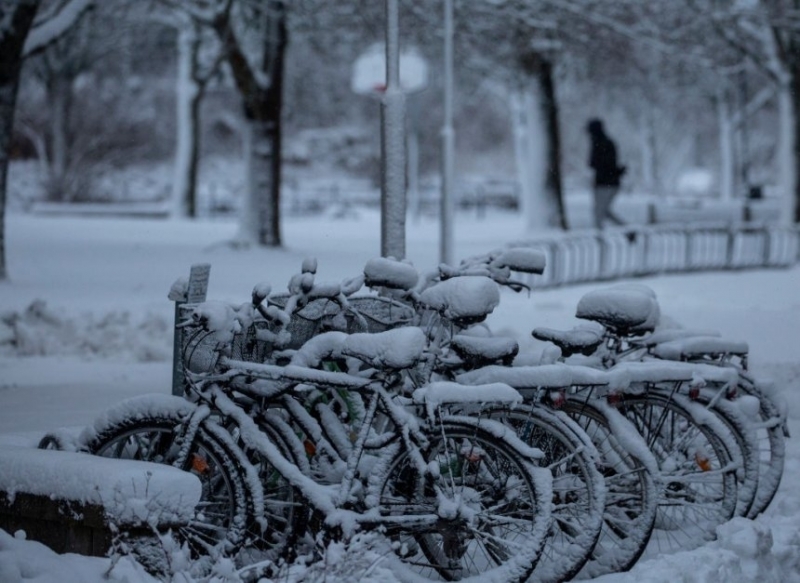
(74, 502)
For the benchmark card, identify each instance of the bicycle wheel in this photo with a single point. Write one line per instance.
(741, 436)
(698, 473)
(771, 439)
(480, 509)
(578, 488)
(151, 429)
(629, 471)
(285, 512)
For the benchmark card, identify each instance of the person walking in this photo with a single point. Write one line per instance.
(607, 174)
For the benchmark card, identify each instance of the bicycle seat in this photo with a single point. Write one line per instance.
(464, 299)
(576, 341)
(623, 311)
(395, 349)
(478, 351)
(390, 273)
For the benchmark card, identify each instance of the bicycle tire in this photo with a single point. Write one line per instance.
(630, 474)
(771, 438)
(698, 473)
(146, 428)
(285, 510)
(578, 488)
(487, 468)
(741, 436)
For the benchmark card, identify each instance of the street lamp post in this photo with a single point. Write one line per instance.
(393, 159)
(448, 143)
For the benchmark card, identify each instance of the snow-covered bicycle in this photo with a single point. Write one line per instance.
(452, 496)
(628, 317)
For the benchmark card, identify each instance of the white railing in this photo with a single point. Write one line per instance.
(601, 256)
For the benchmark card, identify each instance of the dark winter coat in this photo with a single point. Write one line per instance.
(603, 159)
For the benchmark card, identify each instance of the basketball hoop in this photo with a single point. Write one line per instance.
(369, 71)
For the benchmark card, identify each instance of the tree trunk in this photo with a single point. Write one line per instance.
(544, 145)
(519, 129)
(794, 117)
(59, 93)
(647, 145)
(12, 40)
(787, 153)
(260, 219)
(187, 150)
(262, 99)
(726, 146)
(549, 105)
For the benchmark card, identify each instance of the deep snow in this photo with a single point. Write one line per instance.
(88, 309)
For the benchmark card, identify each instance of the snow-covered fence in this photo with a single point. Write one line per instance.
(75, 502)
(607, 255)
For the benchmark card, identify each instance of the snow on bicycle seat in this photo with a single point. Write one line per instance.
(623, 310)
(521, 259)
(467, 298)
(576, 341)
(480, 350)
(396, 349)
(697, 346)
(390, 273)
(670, 334)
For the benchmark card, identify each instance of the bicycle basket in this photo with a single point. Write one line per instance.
(380, 313)
(201, 351)
(365, 314)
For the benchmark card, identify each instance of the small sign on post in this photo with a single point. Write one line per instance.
(192, 291)
(198, 283)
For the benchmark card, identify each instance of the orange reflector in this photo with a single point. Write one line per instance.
(199, 464)
(703, 462)
(473, 457)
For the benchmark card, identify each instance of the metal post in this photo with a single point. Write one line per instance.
(393, 159)
(194, 293)
(448, 143)
(177, 349)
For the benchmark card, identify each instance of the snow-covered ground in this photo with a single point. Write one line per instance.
(87, 309)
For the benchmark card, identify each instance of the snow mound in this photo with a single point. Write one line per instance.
(40, 330)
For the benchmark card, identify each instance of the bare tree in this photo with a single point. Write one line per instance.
(766, 35)
(253, 37)
(23, 34)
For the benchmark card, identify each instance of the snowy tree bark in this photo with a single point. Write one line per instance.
(726, 146)
(187, 151)
(788, 155)
(59, 96)
(791, 116)
(19, 38)
(542, 202)
(647, 141)
(261, 89)
(16, 19)
(549, 105)
(522, 156)
(260, 218)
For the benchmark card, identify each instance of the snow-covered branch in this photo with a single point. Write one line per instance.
(50, 30)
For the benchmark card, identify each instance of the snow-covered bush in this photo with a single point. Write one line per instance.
(40, 330)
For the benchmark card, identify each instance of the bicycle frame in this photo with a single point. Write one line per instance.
(333, 502)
